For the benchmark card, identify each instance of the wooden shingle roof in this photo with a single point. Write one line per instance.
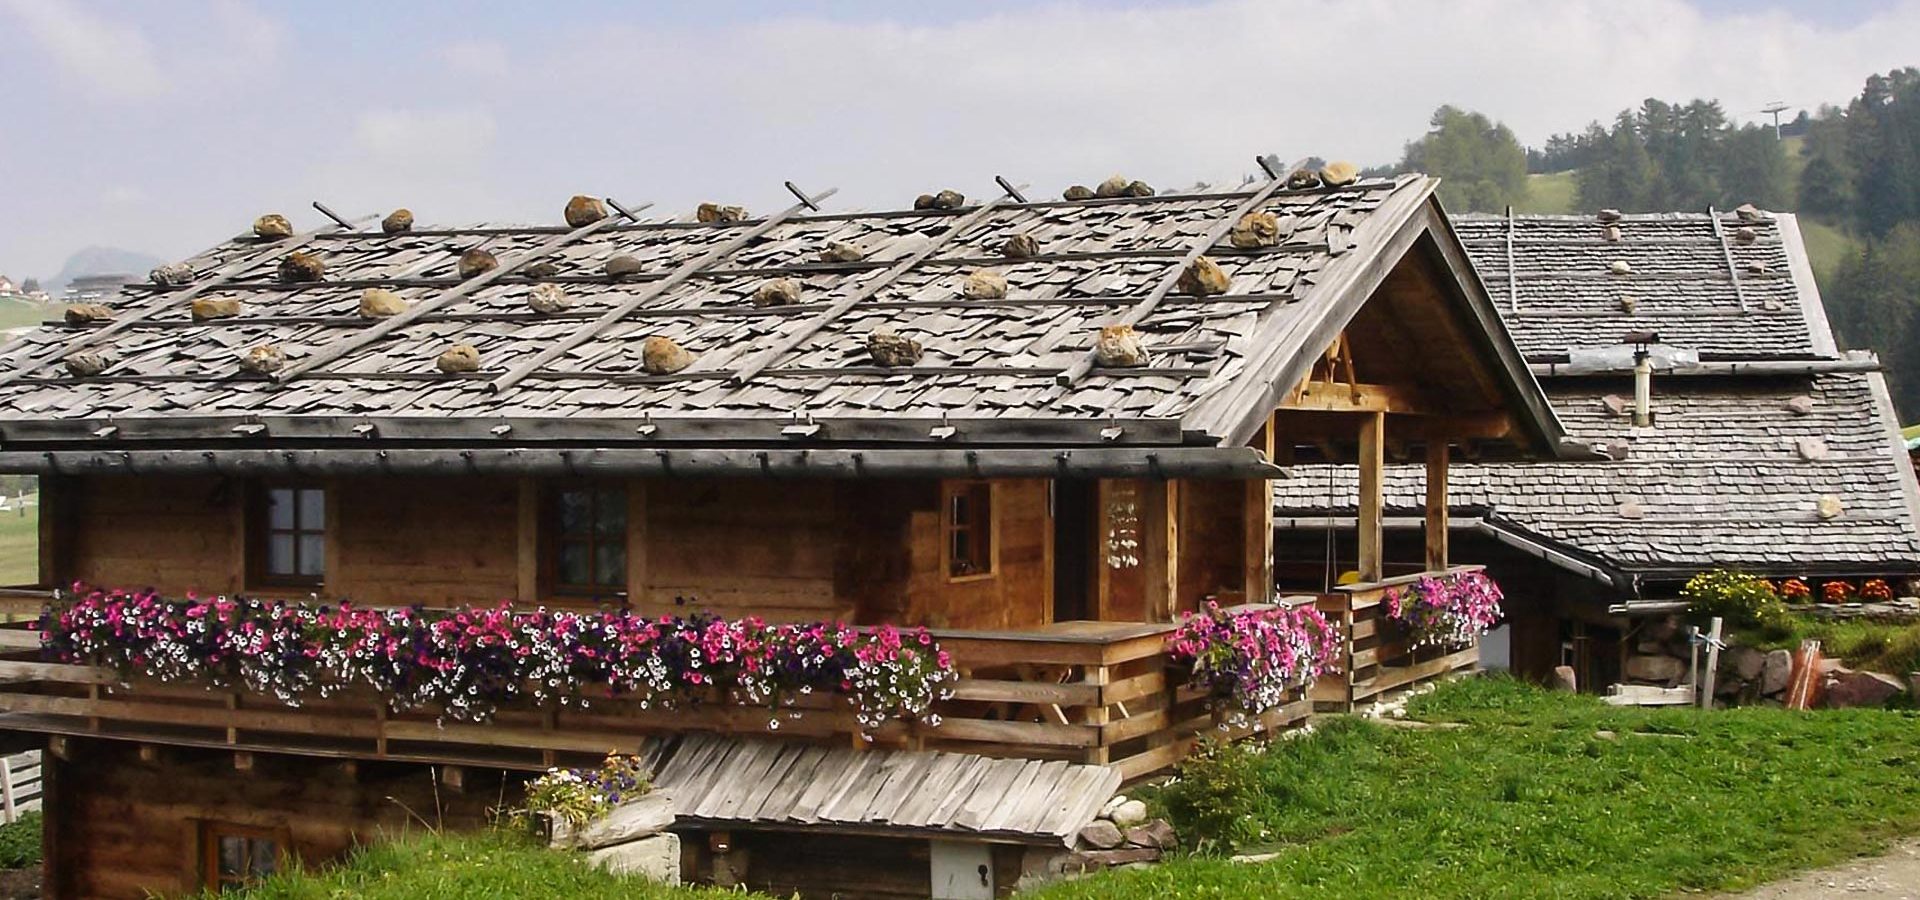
(1006, 372)
(1733, 471)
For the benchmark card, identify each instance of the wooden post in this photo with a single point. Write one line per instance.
(1436, 505)
(1257, 576)
(1372, 475)
(1713, 662)
(528, 550)
(57, 501)
(1098, 716)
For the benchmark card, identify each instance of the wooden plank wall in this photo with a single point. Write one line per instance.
(738, 548)
(171, 534)
(783, 550)
(1020, 592)
(1212, 542)
(404, 541)
(124, 827)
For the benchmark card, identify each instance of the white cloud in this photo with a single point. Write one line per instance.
(110, 59)
(504, 124)
(476, 59)
(415, 135)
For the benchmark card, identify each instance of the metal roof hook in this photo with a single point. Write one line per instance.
(1113, 430)
(646, 428)
(797, 192)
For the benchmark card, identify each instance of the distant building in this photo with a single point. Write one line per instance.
(93, 288)
(7, 287)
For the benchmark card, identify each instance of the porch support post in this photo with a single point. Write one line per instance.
(1373, 462)
(1436, 505)
(1258, 518)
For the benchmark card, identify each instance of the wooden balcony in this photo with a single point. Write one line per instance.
(1095, 692)
(1377, 658)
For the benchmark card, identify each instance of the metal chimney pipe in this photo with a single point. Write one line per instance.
(1642, 387)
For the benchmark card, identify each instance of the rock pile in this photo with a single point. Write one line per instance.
(1121, 836)
(631, 840)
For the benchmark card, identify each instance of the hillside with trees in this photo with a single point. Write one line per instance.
(1851, 171)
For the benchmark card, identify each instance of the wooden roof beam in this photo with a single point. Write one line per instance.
(873, 286)
(1726, 252)
(1326, 396)
(384, 327)
(653, 290)
(166, 301)
(1145, 307)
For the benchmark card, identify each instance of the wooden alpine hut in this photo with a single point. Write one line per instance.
(1040, 429)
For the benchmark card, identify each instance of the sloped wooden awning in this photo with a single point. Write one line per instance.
(736, 783)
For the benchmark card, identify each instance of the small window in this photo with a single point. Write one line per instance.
(969, 523)
(237, 856)
(587, 550)
(288, 535)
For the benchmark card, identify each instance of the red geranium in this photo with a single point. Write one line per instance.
(1836, 592)
(1793, 590)
(1876, 590)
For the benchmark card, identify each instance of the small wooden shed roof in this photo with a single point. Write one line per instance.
(729, 782)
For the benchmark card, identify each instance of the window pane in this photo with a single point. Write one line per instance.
(576, 512)
(610, 564)
(266, 857)
(313, 509)
(958, 512)
(573, 567)
(280, 508)
(280, 554)
(233, 855)
(313, 554)
(610, 517)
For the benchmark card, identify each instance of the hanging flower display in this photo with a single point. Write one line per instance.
(467, 662)
(1794, 590)
(1876, 590)
(1836, 592)
(1249, 661)
(1448, 611)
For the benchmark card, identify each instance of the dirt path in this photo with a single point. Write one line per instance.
(1895, 876)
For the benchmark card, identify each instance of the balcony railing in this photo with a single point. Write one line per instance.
(1094, 692)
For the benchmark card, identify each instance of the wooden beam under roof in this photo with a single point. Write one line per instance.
(873, 286)
(685, 271)
(1342, 397)
(168, 301)
(384, 327)
(1726, 252)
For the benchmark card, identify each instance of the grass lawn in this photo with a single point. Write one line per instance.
(483, 865)
(1532, 799)
(1827, 246)
(20, 546)
(1552, 193)
(16, 313)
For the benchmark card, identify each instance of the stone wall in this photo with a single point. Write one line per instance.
(1661, 656)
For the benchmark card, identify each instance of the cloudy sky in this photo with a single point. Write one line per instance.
(167, 127)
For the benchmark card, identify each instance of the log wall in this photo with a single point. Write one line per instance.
(784, 550)
(120, 826)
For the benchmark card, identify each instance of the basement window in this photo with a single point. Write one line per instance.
(969, 521)
(234, 857)
(287, 535)
(587, 541)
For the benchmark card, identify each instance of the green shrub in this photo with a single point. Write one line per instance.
(20, 842)
(1743, 600)
(1215, 801)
